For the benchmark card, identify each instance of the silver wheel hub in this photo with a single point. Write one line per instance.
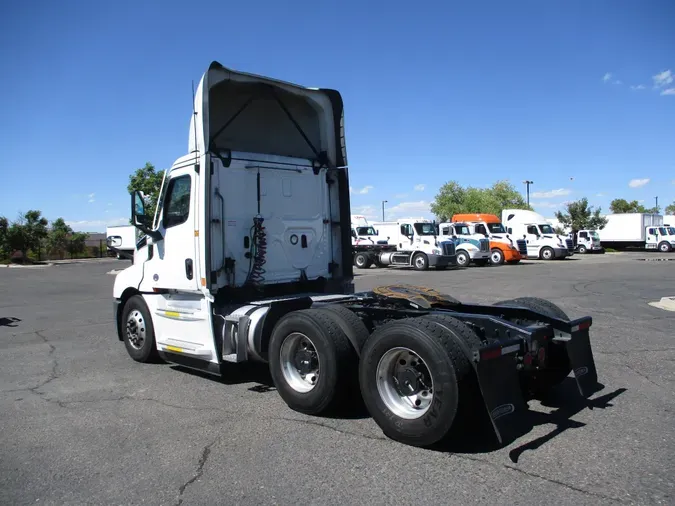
(136, 329)
(496, 257)
(299, 362)
(419, 261)
(404, 383)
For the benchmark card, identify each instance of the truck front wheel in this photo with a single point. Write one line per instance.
(311, 362)
(664, 247)
(463, 259)
(138, 331)
(420, 262)
(496, 256)
(413, 376)
(547, 253)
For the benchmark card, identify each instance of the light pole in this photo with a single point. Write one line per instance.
(528, 183)
(383, 202)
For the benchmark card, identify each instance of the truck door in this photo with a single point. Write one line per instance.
(533, 240)
(652, 238)
(174, 265)
(406, 237)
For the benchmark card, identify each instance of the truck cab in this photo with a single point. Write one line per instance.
(660, 238)
(470, 246)
(363, 232)
(587, 241)
(541, 240)
(417, 244)
(502, 246)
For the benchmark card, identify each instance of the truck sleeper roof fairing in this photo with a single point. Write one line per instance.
(235, 110)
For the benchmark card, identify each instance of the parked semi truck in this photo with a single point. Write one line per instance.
(417, 244)
(250, 259)
(470, 247)
(540, 239)
(636, 230)
(502, 247)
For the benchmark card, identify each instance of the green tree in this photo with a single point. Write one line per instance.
(620, 206)
(76, 244)
(453, 199)
(4, 240)
(671, 208)
(28, 232)
(58, 239)
(580, 216)
(147, 180)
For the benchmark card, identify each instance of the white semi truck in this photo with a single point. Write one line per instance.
(363, 232)
(470, 246)
(417, 244)
(636, 230)
(541, 240)
(250, 259)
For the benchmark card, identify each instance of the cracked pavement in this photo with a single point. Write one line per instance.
(84, 424)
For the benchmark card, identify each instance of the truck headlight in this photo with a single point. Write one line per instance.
(435, 251)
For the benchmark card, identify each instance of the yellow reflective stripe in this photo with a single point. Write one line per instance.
(173, 314)
(174, 348)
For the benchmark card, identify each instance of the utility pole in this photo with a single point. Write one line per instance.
(528, 183)
(657, 205)
(383, 202)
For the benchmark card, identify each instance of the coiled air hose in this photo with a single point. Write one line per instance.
(258, 252)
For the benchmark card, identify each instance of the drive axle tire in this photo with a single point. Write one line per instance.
(312, 364)
(362, 261)
(558, 367)
(138, 331)
(413, 375)
(353, 327)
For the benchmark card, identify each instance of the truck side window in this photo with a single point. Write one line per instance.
(177, 205)
(652, 231)
(531, 229)
(480, 229)
(584, 235)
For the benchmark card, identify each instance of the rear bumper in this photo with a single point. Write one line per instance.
(442, 260)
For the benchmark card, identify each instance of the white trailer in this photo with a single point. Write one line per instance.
(250, 259)
(636, 230)
(121, 240)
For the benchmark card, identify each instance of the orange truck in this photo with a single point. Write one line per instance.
(502, 247)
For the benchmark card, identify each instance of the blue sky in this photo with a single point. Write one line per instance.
(472, 91)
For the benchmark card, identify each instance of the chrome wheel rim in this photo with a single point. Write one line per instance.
(136, 329)
(547, 254)
(496, 257)
(462, 259)
(419, 261)
(404, 383)
(299, 362)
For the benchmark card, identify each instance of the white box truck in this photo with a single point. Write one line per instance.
(636, 230)
(250, 259)
(121, 240)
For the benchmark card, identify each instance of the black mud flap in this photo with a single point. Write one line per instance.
(580, 353)
(498, 378)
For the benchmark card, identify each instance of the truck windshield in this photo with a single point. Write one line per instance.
(546, 229)
(496, 228)
(461, 229)
(594, 234)
(425, 228)
(671, 230)
(365, 231)
(662, 231)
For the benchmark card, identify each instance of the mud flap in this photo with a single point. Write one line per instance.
(582, 362)
(498, 378)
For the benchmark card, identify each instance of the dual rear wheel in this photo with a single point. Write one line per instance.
(412, 375)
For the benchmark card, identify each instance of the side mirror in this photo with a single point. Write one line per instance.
(140, 219)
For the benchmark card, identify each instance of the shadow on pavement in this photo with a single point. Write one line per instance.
(9, 321)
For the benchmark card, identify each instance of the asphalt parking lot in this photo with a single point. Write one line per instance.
(84, 424)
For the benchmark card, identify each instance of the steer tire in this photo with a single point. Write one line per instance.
(137, 310)
(448, 368)
(547, 253)
(664, 247)
(496, 256)
(337, 362)
(558, 365)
